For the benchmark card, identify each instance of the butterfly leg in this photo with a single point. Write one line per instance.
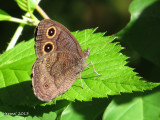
(81, 80)
(93, 68)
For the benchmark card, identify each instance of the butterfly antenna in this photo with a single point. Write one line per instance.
(99, 45)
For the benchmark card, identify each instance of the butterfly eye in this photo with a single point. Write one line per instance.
(48, 47)
(51, 32)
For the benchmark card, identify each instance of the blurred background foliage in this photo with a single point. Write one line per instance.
(108, 15)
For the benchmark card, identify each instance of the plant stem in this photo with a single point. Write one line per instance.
(29, 10)
(15, 36)
(18, 20)
(43, 14)
(22, 24)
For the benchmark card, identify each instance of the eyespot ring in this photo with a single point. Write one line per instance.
(48, 47)
(51, 32)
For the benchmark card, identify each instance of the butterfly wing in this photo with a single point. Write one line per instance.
(54, 74)
(56, 37)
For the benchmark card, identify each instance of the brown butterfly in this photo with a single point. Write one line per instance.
(60, 60)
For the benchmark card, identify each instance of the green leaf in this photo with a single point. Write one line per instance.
(134, 107)
(16, 65)
(4, 15)
(110, 63)
(20, 58)
(15, 70)
(23, 4)
(142, 32)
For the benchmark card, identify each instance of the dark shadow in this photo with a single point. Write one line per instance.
(143, 34)
(91, 110)
(19, 100)
(37, 111)
(18, 94)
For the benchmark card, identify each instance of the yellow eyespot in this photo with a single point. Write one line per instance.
(51, 32)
